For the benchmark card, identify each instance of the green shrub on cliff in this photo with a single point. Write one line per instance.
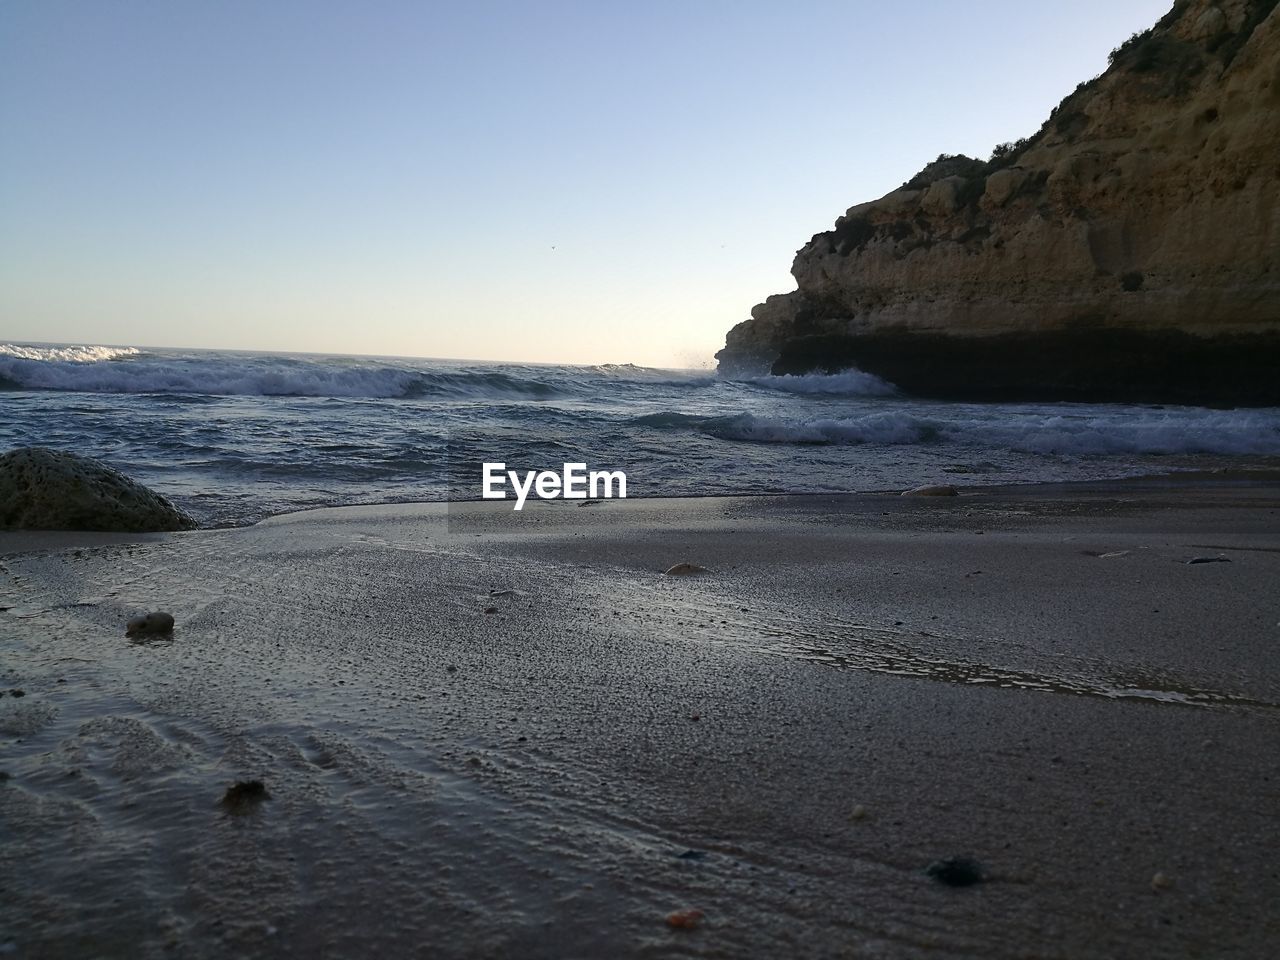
(947, 165)
(1006, 154)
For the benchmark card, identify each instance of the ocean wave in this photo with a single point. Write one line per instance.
(67, 354)
(209, 377)
(850, 383)
(1183, 431)
(78, 369)
(890, 427)
(670, 421)
(476, 385)
(1231, 432)
(652, 376)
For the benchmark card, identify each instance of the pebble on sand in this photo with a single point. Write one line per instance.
(932, 490)
(685, 570)
(685, 919)
(244, 795)
(956, 871)
(155, 622)
(1161, 881)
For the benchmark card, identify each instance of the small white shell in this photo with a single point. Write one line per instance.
(685, 570)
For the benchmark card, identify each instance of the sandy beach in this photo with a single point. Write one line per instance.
(496, 734)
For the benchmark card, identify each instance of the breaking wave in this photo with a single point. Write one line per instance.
(1232, 432)
(850, 383)
(885, 427)
(1229, 432)
(69, 354)
(129, 370)
(652, 376)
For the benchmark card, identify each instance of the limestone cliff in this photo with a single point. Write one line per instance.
(1129, 250)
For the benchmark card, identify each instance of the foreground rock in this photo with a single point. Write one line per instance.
(1129, 250)
(47, 490)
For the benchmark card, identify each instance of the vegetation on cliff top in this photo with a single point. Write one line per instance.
(1165, 64)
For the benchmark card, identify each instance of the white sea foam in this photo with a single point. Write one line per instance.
(68, 354)
(1235, 432)
(86, 369)
(205, 377)
(850, 383)
(1123, 431)
(889, 427)
(651, 376)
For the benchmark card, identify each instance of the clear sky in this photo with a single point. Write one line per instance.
(578, 181)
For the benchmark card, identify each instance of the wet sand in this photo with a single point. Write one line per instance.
(1032, 677)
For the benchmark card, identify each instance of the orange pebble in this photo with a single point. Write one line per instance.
(684, 919)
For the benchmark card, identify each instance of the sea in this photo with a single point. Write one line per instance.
(234, 437)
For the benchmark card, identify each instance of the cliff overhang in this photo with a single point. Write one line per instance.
(1129, 250)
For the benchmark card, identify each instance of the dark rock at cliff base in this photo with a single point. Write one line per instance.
(1097, 365)
(1127, 251)
(48, 490)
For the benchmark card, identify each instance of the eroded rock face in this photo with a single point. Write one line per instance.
(1130, 250)
(47, 490)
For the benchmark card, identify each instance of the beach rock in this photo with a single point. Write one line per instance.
(685, 570)
(932, 490)
(1209, 560)
(44, 489)
(151, 623)
(956, 871)
(1129, 250)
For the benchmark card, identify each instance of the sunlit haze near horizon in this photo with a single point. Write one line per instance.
(569, 182)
